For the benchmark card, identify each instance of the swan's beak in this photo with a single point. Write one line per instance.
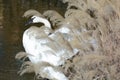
(30, 21)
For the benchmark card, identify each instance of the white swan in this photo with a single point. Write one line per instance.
(43, 47)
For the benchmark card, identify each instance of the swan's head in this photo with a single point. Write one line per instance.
(38, 19)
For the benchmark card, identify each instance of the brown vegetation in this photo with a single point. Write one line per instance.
(103, 64)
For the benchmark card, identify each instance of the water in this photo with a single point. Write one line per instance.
(11, 30)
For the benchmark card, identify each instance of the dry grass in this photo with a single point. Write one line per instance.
(103, 18)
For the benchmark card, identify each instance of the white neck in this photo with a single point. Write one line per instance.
(42, 20)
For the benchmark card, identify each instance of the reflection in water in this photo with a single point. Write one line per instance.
(11, 33)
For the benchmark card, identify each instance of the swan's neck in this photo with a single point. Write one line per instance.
(42, 20)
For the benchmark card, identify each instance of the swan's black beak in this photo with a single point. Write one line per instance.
(30, 21)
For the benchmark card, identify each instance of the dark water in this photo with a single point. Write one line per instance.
(11, 30)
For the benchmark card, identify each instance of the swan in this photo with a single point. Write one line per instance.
(42, 46)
